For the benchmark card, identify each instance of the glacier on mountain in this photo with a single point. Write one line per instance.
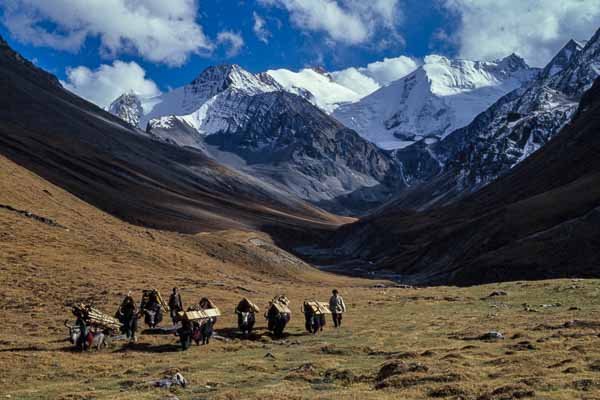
(437, 98)
(505, 134)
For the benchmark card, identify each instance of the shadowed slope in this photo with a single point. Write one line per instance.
(102, 160)
(540, 221)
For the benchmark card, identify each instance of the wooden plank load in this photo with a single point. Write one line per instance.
(196, 315)
(281, 304)
(318, 307)
(204, 310)
(147, 294)
(95, 317)
(245, 305)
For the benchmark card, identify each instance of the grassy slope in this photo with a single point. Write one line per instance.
(97, 257)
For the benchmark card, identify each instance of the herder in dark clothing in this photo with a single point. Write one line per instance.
(82, 338)
(127, 314)
(337, 307)
(175, 304)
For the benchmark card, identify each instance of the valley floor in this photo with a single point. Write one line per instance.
(395, 343)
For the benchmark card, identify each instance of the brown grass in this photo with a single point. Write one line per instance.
(395, 343)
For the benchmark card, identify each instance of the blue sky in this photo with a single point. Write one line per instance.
(189, 35)
(288, 46)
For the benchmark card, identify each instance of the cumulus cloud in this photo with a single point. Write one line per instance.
(159, 31)
(345, 21)
(358, 82)
(534, 29)
(260, 30)
(233, 41)
(365, 80)
(104, 84)
(390, 69)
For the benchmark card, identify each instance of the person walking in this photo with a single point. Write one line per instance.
(127, 314)
(81, 341)
(337, 307)
(175, 304)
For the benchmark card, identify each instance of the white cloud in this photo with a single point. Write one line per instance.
(261, 32)
(104, 84)
(345, 21)
(390, 69)
(159, 31)
(534, 29)
(233, 41)
(358, 82)
(365, 80)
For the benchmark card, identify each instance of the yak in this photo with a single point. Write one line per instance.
(153, 315)
(313, 322)
(277, 320)
(198, 331)
(88, 339)
(246, 316)
(246, 321)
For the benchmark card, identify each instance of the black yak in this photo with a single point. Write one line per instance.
(314, 322)
(246, 313)
(278, 315)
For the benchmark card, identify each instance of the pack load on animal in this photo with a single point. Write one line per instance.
(281, 304)
(314, 315)
(278, 314)
(152, 296)
(197, 323)
(318, 307)
(245, 305)
(96, 318)
(246, 311)
(196, 315)
(205, 309)
(152, 307)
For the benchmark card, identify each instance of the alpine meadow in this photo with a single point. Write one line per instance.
(299, 199)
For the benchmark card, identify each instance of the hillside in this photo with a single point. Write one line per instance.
(412, 343)
(104, 161)
(395, 342)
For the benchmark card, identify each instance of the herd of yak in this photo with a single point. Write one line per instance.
(94, 329)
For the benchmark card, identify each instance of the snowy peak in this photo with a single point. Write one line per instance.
(438, 97)
(562, 59)
(512, 63)
(316, 86)
(319, 70)
(583, 68)
(514, 127)
(222, 86)
(216, 79)
(128, 107)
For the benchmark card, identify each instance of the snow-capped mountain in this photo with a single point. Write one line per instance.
(562, 59)
(291, 143)
(508, 132)
(249, 122)
(316, 86)
(437, 98)
(210, 102)
(128, 107)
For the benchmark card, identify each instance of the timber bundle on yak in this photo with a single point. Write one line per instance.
(278, 314)
(197, 323)
(314, 315)
(92, 327)
(152, 307)
(246, 313)
(96, 318)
